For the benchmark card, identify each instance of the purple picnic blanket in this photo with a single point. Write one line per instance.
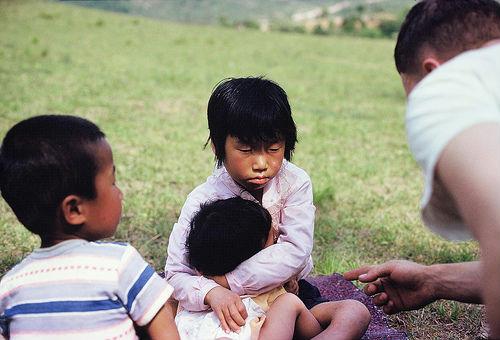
(334, 287)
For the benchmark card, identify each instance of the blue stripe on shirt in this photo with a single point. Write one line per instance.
(138, 285)
(63, 307)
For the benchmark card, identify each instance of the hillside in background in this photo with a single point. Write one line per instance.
(211, 11)
(369, 18)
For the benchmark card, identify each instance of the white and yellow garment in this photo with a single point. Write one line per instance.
(205, 325)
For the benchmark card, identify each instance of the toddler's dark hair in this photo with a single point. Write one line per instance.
(254, 110)
(448, 27)
(43, 159)
(224, 233)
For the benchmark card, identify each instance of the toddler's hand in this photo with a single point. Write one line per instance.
(292, 286)
(228, 307)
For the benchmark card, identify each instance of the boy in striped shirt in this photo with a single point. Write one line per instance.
(57, 175)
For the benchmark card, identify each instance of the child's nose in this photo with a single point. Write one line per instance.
(260, 162)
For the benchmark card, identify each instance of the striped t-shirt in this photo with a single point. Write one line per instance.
(80, 290)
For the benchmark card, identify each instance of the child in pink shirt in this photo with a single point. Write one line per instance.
(253, 136)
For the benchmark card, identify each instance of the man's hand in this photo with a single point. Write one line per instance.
(228, 307)
(396, 285)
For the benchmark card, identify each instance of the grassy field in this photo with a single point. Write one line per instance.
(146, 83)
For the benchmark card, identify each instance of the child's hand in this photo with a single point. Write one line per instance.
(292, 286)
(228, 307)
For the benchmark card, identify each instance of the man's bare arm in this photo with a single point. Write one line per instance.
(469, 167)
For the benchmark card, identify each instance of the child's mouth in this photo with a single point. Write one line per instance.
(259, 180)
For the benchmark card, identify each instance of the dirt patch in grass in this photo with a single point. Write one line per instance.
(443, 320)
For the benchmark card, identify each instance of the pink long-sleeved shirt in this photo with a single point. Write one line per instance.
(289, 199)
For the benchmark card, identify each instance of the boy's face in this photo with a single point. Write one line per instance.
(105, 210)
(253, 168)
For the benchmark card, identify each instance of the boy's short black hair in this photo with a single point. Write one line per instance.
(448, 27)
(224, 233)
(43, 159)
(254, 110)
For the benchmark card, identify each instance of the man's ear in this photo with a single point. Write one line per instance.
(430, 64)
(73, 210)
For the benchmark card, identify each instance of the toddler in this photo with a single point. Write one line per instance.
(58, 176)
(222, 235)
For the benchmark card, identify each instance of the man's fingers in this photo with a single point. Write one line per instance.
(369, 273)
(355, 273)
(373, 288)
(381, 299)
(375, 272)
(389, 308)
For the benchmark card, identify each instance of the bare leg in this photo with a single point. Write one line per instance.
(287, 316)
(172, 306)
(346, 319)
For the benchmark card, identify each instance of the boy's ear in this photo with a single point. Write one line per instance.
(72, 210)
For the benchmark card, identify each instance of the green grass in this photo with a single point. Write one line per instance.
(146, 84)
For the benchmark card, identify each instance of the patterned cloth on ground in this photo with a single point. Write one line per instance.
(334, 287)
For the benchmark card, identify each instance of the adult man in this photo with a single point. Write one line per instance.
(448, 56)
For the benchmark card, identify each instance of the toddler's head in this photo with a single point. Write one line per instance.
(224, 233)
(57, 175)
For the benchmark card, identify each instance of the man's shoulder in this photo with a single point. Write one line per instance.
(475, 58)
(473, 66)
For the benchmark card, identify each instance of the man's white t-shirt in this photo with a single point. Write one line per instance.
(463, 92)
